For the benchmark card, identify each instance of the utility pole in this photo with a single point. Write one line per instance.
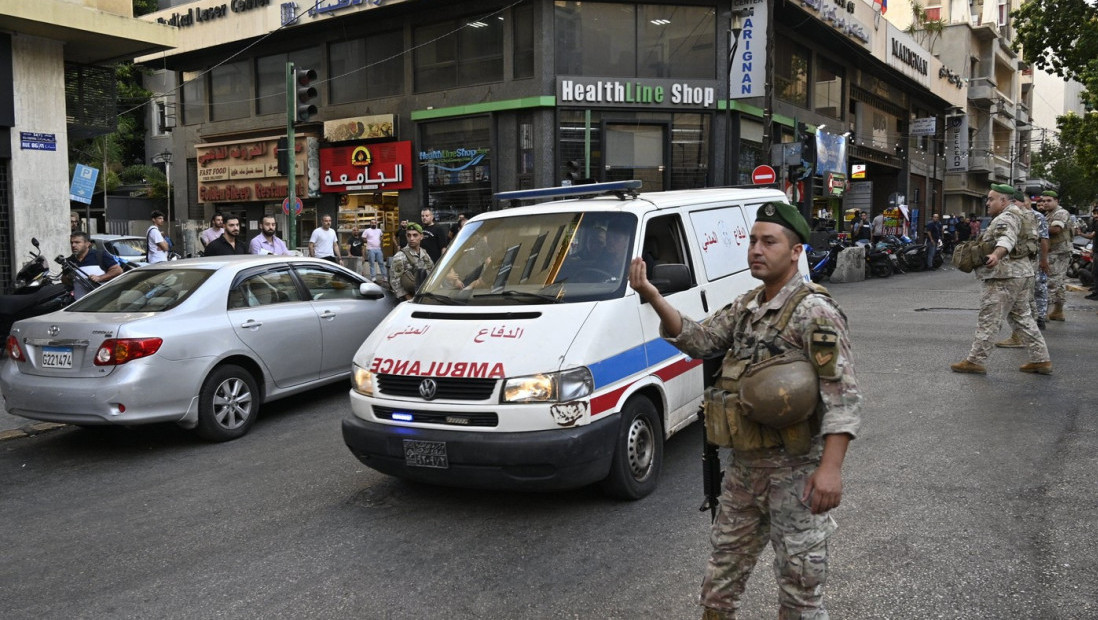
(291, 164)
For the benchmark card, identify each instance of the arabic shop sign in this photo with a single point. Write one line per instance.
(840, 14)
(290, 13)
(197, 15)
(377, 166)
(248, 171)
(607, 92)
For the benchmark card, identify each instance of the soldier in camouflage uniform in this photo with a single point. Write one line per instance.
(782, 481)
(1038, 300)
(1007, 284)
(1059, 251)
(407, 262)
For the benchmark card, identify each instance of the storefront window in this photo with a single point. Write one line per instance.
(443, 59)
(271, 77)
(194, 97)
(230, 96)
(791, 72)
(653, 41)
(456, 163)
(828, 94)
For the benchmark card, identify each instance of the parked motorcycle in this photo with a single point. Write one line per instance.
(45, 298)
(33, 274)
(879, 262)
(821, 263)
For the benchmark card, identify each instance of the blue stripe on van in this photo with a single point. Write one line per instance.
(631, 361)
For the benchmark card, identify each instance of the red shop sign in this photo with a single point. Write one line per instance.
(377, 166)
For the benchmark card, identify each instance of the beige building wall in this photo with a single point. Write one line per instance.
(40, 193)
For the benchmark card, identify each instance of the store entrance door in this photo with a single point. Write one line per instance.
(638, 151)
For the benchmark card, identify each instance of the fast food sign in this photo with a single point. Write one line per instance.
(366, 167)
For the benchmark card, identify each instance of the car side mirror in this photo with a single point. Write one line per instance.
(369, 290)
(670, 278)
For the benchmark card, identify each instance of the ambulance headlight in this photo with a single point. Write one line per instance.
(549, 387)
(363, 380)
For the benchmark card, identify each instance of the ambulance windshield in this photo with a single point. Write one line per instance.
(535, 259)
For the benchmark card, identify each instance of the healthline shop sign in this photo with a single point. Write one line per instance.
(611, 92)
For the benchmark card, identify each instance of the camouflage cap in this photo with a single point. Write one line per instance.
(786, 215)
(1050, 194)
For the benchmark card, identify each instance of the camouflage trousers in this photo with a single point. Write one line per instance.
(758, 504)
(1057, 274)
(1007, 297)
(1038, 303)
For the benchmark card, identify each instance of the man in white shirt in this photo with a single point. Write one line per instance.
(157, 245)
(324, 243)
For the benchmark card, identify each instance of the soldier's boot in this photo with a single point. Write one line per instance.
(1057, 312)
(1014, 342)
(1040, 323)
(716, 614)
(968, 367)
(1037, 368)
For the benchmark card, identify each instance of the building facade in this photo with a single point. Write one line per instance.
(494, 96)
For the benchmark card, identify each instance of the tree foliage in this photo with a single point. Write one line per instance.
(1061, 37)
(925, 30)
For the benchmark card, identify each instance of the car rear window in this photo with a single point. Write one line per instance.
(144, 290)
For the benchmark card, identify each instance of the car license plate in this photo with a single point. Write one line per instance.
(56, 357)
(419, 453)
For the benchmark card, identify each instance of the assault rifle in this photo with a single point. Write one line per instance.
(711, 459)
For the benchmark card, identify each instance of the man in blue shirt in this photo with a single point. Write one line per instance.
(933, 237)
(98, 266)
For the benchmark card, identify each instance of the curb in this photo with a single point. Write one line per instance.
(30, 430)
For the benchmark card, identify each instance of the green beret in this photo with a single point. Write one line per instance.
(1051, 194)
(786, 215)
(415, 227)
(1019, 195)
(1002, 188)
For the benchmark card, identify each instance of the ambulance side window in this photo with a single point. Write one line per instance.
(665, 243)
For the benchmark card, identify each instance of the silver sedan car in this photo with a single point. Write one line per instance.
(200, 342)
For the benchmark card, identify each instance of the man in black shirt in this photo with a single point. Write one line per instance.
(229, 243)
(435, 236)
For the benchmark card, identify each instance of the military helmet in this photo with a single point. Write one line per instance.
(781, 391)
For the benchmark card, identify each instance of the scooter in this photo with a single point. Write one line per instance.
(879, 263)
(821, 263)
(33, 274)
(43, 299)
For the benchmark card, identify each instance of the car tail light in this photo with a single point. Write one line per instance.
(15, 352)
(117, 351)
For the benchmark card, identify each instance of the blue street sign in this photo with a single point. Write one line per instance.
(83, 183)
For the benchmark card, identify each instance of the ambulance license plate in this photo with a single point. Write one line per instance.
(418, 453)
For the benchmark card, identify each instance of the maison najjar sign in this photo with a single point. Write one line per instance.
(365, 167)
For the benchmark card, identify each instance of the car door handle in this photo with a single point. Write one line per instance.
(328, 314)
(250, 324)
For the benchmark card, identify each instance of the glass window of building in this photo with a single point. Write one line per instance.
(347, 60)
(750, 150)
(385, 64)
(791, 72)
(271, 77)
(230, 91)
(455, 159)
(676, 41)
(827, 97)
(458, 52)
(194, 97)
(596, 38)
(523, 41)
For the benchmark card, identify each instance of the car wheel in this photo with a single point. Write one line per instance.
(228, 404)
(638, 453)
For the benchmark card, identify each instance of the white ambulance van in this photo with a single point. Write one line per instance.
(525, 361)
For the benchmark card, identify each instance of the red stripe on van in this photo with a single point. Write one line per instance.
(606, 402)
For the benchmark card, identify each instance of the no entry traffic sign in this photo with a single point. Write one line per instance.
(763, 175)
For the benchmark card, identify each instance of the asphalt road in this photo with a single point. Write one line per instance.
(966, 497)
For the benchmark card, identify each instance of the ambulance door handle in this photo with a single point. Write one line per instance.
(705, 303)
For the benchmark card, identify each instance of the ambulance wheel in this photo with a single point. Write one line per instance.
(638, 454)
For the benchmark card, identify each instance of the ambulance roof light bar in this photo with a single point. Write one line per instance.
(621, 189)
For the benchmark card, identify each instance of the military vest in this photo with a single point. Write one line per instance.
(726, 423)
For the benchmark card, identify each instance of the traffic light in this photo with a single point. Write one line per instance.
(808, 149)
(306, 94)
(574, 174)
(281, 155)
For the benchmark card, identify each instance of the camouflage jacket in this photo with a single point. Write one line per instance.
(743, 329)
(402, 264)
(1060, 243)
(1003, 232)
